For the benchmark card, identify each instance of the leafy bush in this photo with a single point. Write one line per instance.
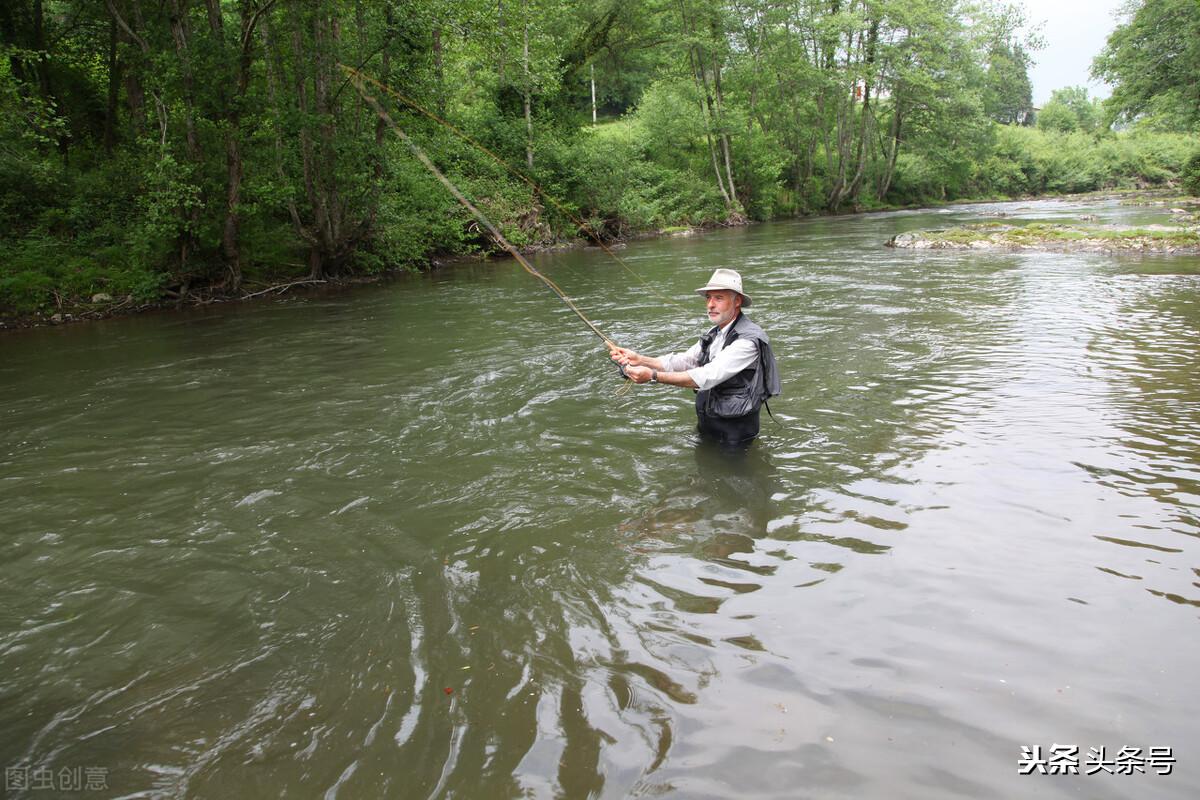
(1025, 160)
(1191, 174)
(670, 127)
(759, 163)
(915, 180)
(1001, 176)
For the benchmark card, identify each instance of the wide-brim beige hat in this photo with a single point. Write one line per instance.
(729, 279)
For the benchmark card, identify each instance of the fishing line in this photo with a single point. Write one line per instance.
(479, 215)
(356, 77)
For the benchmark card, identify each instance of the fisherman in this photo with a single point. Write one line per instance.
(732, 365)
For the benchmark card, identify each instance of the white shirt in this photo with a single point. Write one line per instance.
(724, 362)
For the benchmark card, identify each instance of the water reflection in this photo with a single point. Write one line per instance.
(1144, 349)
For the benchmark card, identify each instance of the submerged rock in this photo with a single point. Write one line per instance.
(920, 240)
(1066, 238)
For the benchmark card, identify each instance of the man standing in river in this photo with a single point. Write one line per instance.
(732, 365)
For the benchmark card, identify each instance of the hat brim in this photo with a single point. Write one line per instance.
(711, 288)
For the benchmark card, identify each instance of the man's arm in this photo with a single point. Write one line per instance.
(674, 363)
(727, 363)
(645, 374)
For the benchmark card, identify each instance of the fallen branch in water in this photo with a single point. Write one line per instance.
(280, 288)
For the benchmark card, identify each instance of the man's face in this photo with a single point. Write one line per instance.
(723, 306)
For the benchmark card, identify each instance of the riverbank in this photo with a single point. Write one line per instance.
(988, 235)
(68, 310)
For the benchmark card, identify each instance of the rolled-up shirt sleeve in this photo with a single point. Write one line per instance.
(681, 362)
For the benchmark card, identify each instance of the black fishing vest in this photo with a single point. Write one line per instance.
(745, 392)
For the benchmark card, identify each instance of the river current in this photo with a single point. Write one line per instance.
(412, 540)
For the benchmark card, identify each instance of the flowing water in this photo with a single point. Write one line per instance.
(411, 541)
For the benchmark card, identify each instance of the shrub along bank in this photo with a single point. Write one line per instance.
(105, 227)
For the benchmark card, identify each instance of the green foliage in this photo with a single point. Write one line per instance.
(620, 188)
(1034, 161)
(916, 180)
(1057, 117)
(1007, 90)
(41, 272)
(1153, 61)
(188, 155)
(760, 163)
(1069, 110)
(1191, 174)
(670, 126)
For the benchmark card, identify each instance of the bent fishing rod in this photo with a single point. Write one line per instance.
(361, 79)
(475, 212)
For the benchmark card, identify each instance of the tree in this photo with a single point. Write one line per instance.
(1152, 61)
(1008, 44)
(1008, 92)
(1069, 110)
(934, 107)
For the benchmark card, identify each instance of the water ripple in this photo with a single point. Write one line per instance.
(412, 541)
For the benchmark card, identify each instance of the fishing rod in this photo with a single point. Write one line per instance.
(356, 78)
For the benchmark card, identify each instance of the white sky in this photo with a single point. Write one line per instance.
(1074, 31)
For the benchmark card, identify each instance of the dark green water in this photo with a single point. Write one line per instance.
(409, 541)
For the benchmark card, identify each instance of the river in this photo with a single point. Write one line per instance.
(413, 540)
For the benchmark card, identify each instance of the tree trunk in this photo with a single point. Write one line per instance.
(718, 104)
(696, 60)
(272, 69)
(308, 158)
(114, 89)
(42, 68)
(180, 33)
(229, 109)
(885, 181)
(501, 49)
(329, 217)
(723, 133)
(380, 125)
(135, 101)
(42, 71)
(528, 91)
(389, 27)
(714, 119)
(133, 83)
(839, 191)
(712, 148)
(864, 132)
(438, 70)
